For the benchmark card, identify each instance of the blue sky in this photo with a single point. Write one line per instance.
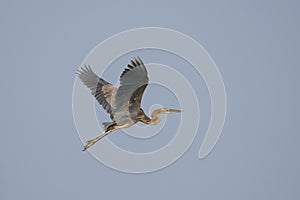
(255, 45)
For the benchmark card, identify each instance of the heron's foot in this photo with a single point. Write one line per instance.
(89, 143)
(96, 139)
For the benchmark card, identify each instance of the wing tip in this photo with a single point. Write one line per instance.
(136, 61)
(84, 69)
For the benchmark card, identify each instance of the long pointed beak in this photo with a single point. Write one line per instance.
(172, 110)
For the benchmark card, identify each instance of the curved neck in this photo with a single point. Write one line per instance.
(155, 117)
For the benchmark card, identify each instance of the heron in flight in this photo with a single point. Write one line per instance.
(123, 104)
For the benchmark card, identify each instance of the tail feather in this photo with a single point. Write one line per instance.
(108, 125)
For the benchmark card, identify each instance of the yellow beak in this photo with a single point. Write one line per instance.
(171, 110)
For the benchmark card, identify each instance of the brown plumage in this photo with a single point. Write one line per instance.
(123, 104)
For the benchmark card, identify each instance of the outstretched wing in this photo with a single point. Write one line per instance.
(133, 82)
(103, 91)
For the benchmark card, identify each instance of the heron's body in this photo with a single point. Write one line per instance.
(123, 103)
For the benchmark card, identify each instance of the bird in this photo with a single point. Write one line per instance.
(122, 103)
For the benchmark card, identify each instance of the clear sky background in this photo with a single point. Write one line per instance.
(256, 46)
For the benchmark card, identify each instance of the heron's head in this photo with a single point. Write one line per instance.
(155, 115)
(157, 112)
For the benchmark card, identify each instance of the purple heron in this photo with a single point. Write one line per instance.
(123, 104)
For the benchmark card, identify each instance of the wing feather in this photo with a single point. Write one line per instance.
(103, 91)
(133, 82)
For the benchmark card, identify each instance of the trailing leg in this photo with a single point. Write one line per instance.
(96, 139)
